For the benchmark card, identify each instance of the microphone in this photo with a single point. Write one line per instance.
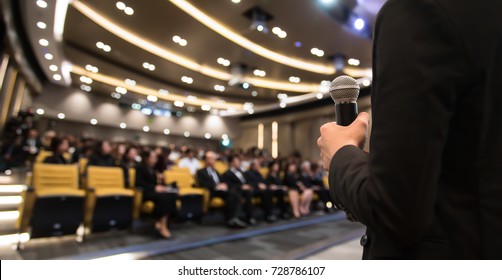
(344, 91)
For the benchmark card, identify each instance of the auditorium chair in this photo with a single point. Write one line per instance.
(191, 199)
(109, 204)
(221, 167)
(53, 203)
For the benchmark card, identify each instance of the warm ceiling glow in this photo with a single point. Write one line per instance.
(157, 50)
(247, 44)
(176, 98)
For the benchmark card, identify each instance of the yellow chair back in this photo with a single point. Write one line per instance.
(264, 172)
(54, 176)
(220, 167)
(42, 155)
(99, 177)
(132, 178)
(183, 178)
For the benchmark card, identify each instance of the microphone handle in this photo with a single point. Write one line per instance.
(346, 113)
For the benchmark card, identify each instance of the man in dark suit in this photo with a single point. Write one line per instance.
(431, 186)
(234, 178)
(261, 190)
(210, 179)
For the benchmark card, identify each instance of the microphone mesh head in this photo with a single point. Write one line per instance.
(344, 89)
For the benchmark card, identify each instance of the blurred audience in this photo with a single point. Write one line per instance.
(210, 179)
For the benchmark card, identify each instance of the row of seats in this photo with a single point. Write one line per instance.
(58, 202)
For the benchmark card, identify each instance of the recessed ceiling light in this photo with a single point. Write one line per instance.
(56, 77)
(282, 96)
(187, 134)
(146, 128)
(43, 42)
(61, 116)
(91, 68)
(176, 39)
(42, 4)
(94, 121)
(359, 24)
(179, 103)
(319, 95)
(121, 90)
(187, 80)
(53, 68)
(207, 135)
(123, 125)
(294, 79)
(148, 66)
(152, 98)
(180, 41)
(135, 106)
(354, 62)
(245, 85)
(366, 82)
(282, 34)
(259, 73)
(41, 25)
(205, 107)
(129, 11)
(183, 42)
(282, 104)
(327, 1)
(219, 88)
(100, 45)
(40, 111)
(130, 82)
(254, 93)
(167, 131)
(224, 136)
(317, 52)
(191, 109)
(116, 95)
(121, 6)
(236, 1)
(163, 91)
(86, 80)
(48, 56)
(107, 48)
(85, 88)
(222, 61)
(215, 111)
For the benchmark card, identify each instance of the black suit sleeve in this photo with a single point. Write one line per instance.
(231, 180)
(145, 180)
(418, 63)
(205, 180)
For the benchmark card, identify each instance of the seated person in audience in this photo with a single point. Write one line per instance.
(300, 196)
(164, 197)
(129, 160)
(163, 161)
(31, 146)
(190, 162)
(60, 146)
(210, 179)
(102, 154)
(316, 178)
(234, 178)
(275, 183)
(307, 178)
(261, 189)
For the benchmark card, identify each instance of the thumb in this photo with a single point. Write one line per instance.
(362, 119)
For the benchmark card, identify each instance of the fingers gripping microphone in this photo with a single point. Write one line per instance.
(344, 90)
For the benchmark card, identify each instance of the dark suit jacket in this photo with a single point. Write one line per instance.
(232, 180)
(206, 180)
(431, 186)
(254, 178)
(146, 179)
(56, 159)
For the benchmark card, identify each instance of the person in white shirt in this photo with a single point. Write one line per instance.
(190, 162)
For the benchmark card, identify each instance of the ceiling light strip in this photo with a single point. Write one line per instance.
(151, 47)
(115, 82)
(249, 45)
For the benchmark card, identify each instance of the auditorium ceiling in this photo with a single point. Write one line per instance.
(226, 57)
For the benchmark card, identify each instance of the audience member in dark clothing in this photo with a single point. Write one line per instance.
(234, 178)
(318, 186)
(210, 179)
(102, 155)
(31, 146)
(14, 154)
(275, 183)
(260, 189)
(129, 160)
(163, 161)
(300, 196)
(164, 197)
(59, 146)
